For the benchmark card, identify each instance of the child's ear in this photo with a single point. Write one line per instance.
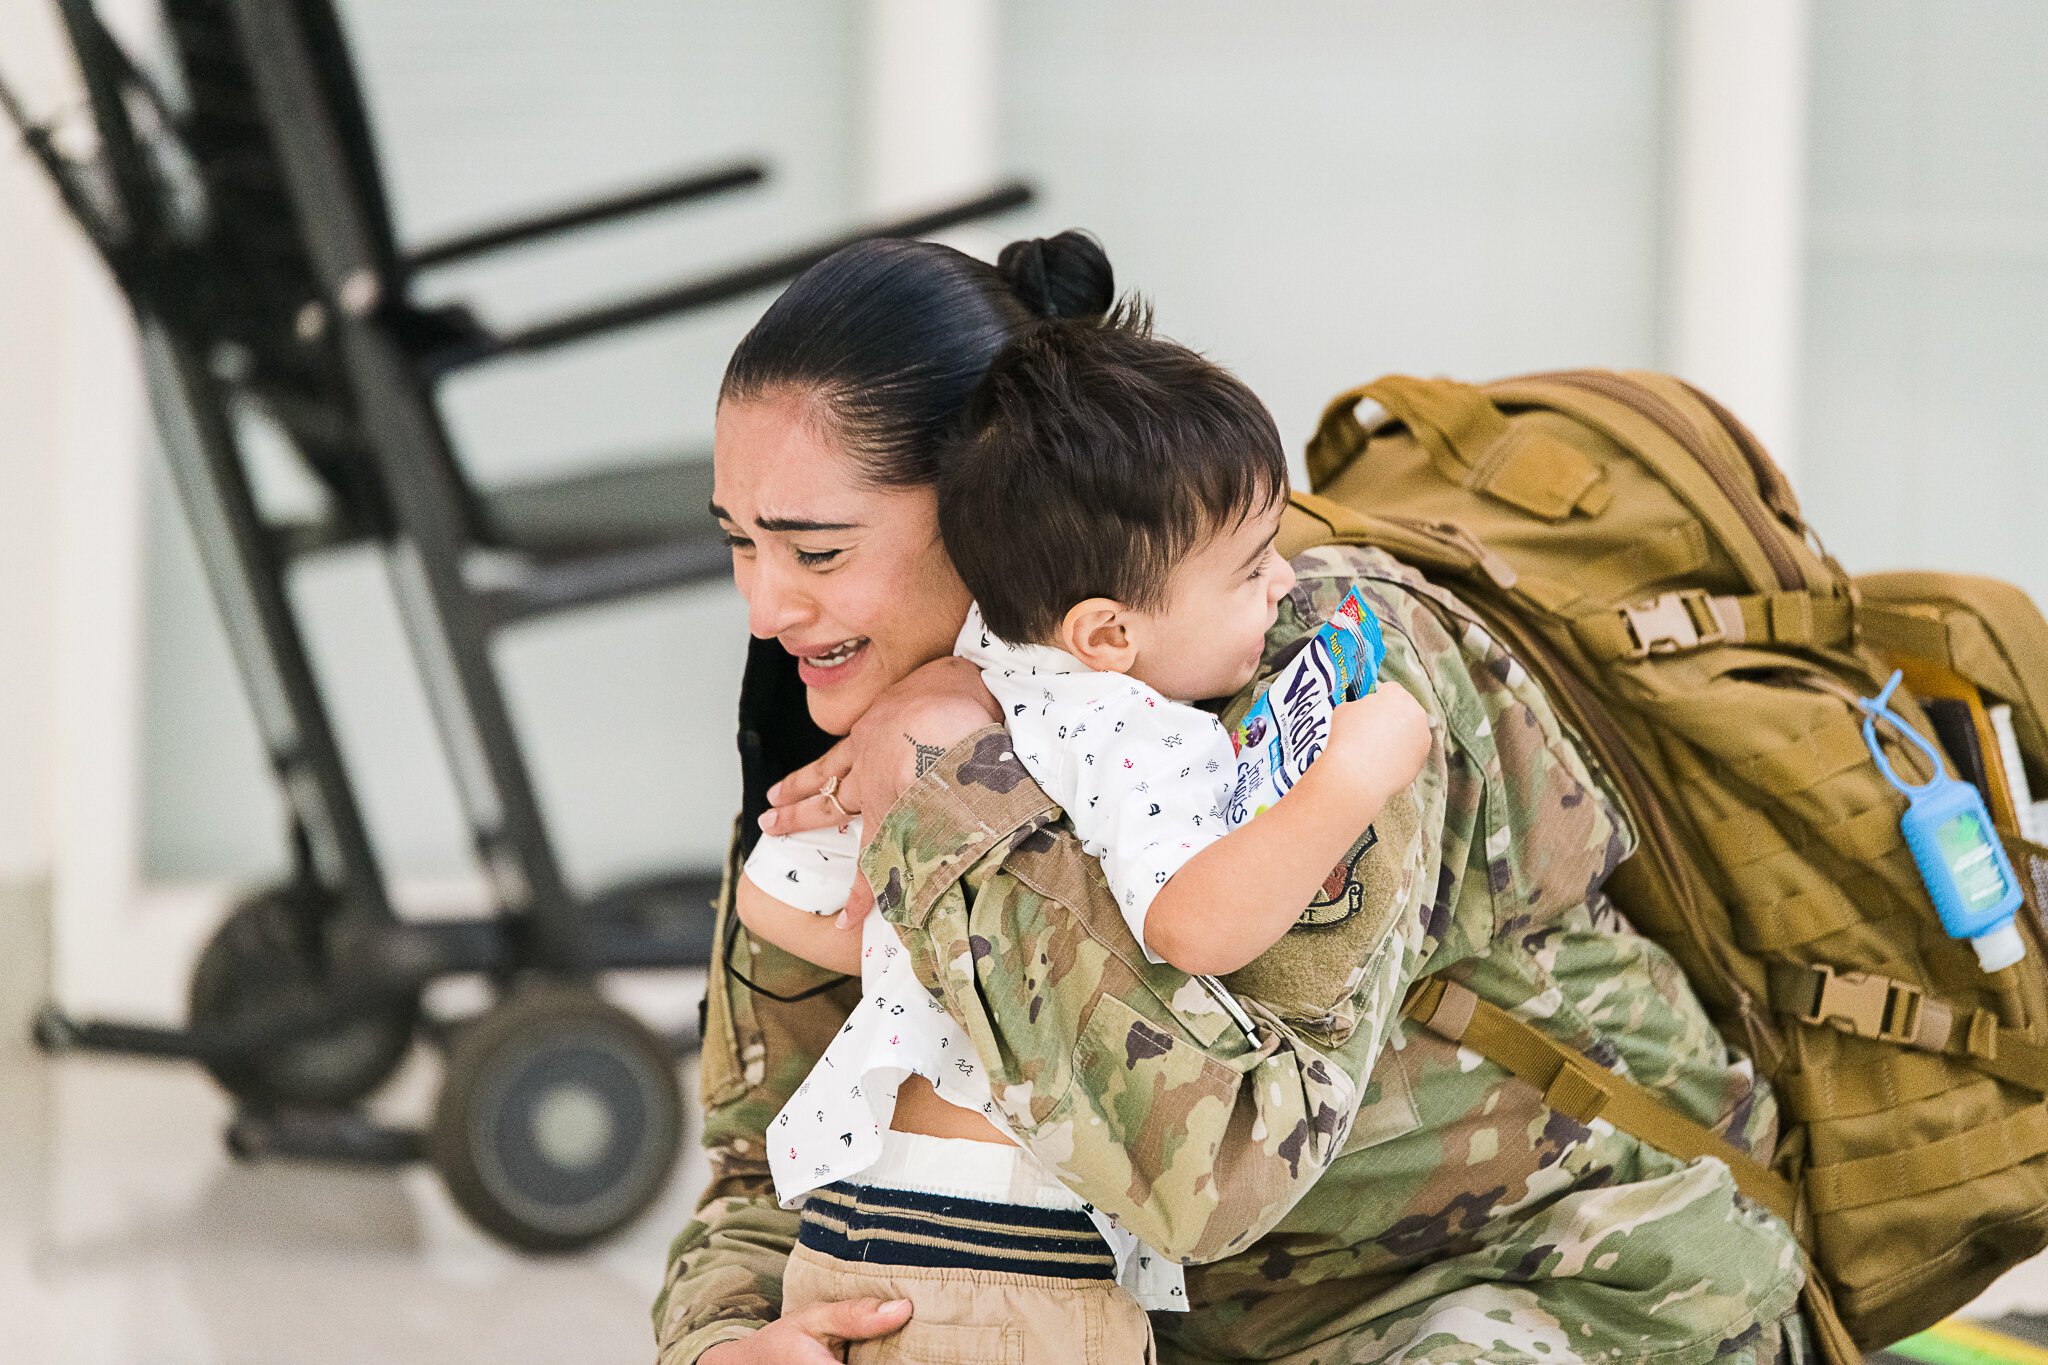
(1097, 632)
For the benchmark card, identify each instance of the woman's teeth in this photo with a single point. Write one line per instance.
(838, 655)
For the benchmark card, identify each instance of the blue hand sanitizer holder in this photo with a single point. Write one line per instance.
(1954, 845)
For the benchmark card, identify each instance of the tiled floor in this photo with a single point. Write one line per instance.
(129, 1237)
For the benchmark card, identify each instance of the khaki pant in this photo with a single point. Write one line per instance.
(978, 1317)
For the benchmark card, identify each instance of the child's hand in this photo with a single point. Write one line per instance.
(1381, 740)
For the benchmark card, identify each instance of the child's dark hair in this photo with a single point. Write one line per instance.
(1090, 461)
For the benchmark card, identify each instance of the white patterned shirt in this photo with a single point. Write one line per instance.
(1143, 781)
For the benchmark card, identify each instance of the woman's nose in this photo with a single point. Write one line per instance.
(774, 603)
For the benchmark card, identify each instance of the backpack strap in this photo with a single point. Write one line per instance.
(1312, 519)
(1581, 1089)
(1470, 442)
(1575, 1086)
(1322, 521)
(1867, 1005)
(1690, 618)
(1928, 1167)
(1894, 631)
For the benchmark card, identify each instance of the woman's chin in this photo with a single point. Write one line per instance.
(834, 711)
(826, 717)
(838, 694)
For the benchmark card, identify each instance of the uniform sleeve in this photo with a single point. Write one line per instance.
(1148, 795)
(1125, 1077)
(762, 1036)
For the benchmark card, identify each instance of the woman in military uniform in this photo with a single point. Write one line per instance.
(1344, 1185)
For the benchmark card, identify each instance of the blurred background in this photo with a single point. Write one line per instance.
(1833, 214)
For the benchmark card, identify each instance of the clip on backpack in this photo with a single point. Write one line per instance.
(1637, 550)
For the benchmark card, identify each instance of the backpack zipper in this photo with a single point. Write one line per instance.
(1680, 429)
(1777, 489)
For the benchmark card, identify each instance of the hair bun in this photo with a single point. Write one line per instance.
(1067, 276)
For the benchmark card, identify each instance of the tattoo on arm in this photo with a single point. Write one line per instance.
(928, 755)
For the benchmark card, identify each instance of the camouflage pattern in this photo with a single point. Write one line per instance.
(1345, 1186)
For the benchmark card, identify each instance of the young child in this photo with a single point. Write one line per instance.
(1112, 504)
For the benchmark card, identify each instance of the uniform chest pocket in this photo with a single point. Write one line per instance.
(1161, 1099)
(1312, 977)
(1388, 1110)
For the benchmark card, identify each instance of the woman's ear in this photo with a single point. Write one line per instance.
(1097, 632)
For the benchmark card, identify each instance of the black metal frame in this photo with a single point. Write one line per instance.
(374, 358)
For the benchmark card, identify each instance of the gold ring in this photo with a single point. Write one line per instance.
(831, 786)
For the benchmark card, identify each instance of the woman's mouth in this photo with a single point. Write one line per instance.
(833, 665)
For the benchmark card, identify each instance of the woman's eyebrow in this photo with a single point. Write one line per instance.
(789, 523)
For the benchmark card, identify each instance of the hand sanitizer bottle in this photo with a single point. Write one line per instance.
(1954, 845)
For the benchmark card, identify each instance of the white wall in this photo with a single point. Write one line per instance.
(1317, 193)
(75, 451)
(1927, 333)
(32, 246)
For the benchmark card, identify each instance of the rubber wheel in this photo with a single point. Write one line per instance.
(262, 955)
(559, 1119)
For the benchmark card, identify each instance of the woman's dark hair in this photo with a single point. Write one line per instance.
(890, 337)
(1091, 461)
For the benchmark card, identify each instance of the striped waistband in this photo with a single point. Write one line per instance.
(911, 1228)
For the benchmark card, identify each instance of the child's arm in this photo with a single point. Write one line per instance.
(1240, 895)
(814, 938)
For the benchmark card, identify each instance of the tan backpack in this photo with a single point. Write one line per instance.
(1635, 547)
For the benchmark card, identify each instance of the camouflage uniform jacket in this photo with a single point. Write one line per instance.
(1345, 1185)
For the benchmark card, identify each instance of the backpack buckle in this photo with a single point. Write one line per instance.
(1864, 1005)
(1671, 622)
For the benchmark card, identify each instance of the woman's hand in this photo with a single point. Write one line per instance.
(895, 742)
(811, 1336)
(898, 739)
